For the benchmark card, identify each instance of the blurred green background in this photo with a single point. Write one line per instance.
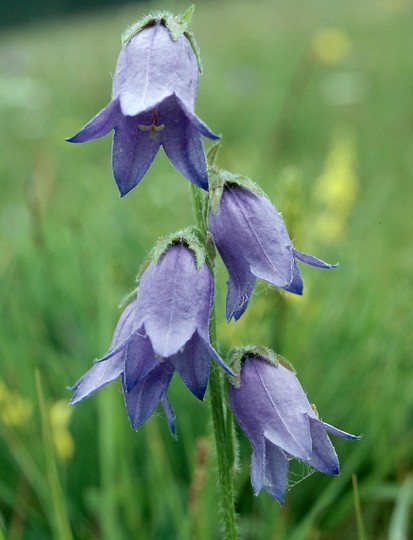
(315, 103)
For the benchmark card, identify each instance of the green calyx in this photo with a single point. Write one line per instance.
(219, 178)
(176, 24)
(189, 236)
(238, 355)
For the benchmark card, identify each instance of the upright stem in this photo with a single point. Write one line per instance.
(223, 430)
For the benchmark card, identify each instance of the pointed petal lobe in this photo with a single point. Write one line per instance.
(311, 260)
(169, 414)
(144, 397)
(99, 375)
(133, 151)
(100, 125)
(183, 144)
(276, 472)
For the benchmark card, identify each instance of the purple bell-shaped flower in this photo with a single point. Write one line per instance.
(253, 242)
(153, 99)
(273, 411)
(165, 329)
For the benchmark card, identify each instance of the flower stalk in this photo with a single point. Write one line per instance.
(223, 429)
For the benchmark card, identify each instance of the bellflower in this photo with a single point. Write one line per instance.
(253, 242)
(148, 378)
(165, 329)
(273, 411)
(153, 100)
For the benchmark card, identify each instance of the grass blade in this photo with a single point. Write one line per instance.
(61, 520)
(399, 522)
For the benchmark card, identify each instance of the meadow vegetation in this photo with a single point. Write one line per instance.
(315, 104)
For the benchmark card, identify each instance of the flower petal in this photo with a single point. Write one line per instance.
(270, 402)
(266, 242)
(257, 467)
(269, 470)
(276, 472)
(241, 283)
(296, 286)
(139, 360)
(182, 143)
(213, 354)
(169, 414)
(123, 332)
(99, 375)
(192, 365)
(153, 66)
(338, 432)
(197, 123)
(174, 298)
(323, 457)
(251, 237)
(311, 260)
(100, 125)
(133, 151)
(142, 400)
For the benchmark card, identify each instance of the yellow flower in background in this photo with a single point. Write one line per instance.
(15, 410)
(60, 415)
(336, 189)
(331, 45)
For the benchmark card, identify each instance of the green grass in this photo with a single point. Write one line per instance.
(70, 249)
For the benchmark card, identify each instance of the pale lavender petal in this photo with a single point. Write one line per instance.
(100, 125)
(240, 286)
(192, 365)
(144, 397)
(276, 472)
(174, 299)
(241, 282)
(257, 467)
(269, 470)
(213, 354)
(313, 261)
(197, 123)
(323, 457)
(251, 239)
(123, 332)
(99, 375)
(182, 143)
(263, 237)
(125, 326)
(334, 431)
(169, 414)
(133, 151)
(296, 286)
(151, 67)
(139, 360)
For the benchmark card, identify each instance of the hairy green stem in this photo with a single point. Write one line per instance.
(223, 429)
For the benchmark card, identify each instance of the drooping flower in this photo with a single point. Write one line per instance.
(166, 329)
(153, 100)
(253, 242)
(274, 413)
